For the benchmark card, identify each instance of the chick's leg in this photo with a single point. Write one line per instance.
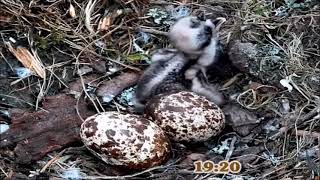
(210, 92)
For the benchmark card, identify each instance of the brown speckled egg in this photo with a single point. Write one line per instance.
(125, 140)
(186, 116)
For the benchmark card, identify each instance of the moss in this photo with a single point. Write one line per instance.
(41, 42)
(56, 37)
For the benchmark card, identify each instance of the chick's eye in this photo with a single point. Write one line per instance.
(195, 23)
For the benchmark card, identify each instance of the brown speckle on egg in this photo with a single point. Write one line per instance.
(186, 116)
(125, 140)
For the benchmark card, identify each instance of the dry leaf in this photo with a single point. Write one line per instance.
(72, 11)
(105, 23)
(28, 60)
(107, 20)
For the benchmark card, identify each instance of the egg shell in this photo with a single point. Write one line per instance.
(125, 140)
(186, 116)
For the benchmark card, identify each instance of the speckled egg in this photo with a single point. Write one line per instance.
(125, 140)
(186, 116)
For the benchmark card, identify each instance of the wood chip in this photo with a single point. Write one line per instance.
(28, 60)
(116, 85)
(309, 134)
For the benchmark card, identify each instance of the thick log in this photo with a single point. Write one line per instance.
(37, 133)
